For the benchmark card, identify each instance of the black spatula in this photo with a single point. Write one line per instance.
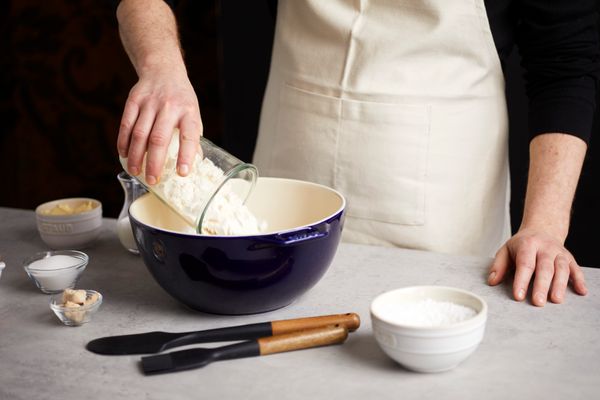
(196, 358)
(154, 342)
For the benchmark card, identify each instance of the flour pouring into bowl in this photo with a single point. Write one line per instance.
(211, 197)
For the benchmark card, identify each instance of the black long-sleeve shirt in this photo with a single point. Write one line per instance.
(559, 44)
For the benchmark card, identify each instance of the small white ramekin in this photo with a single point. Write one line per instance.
(74, 231)
(428, 349)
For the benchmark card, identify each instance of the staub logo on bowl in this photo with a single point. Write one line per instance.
(158, 251)
(56, 228)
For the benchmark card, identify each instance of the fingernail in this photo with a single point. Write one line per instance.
(521, 294)
(540, 298)
(183, 169)
(134, 171)
(557, 295)
(492, 276)
(151, 180)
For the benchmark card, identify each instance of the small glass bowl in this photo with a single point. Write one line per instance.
(75, 316)
(56, 278)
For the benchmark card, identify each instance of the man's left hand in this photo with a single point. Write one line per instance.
(538, 255)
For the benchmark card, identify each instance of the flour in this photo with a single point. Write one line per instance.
(227, 214)
(429, 313)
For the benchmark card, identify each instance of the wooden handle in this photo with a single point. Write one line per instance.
(302, 340)
(350, 321)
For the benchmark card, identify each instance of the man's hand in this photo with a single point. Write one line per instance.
(163, 98)
(537, 253)
(537, 249)
(160, 102)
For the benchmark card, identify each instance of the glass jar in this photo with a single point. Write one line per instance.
(133, 189)
(213, 176)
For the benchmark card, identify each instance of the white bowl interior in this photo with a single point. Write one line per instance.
(383, 306)
(285, 204)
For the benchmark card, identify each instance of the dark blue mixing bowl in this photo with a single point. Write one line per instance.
(244, 274)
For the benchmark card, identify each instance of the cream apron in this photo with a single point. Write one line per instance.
(399, 105)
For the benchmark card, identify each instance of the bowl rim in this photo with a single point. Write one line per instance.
(84, 259)
(97, 206)
(264, 234)
(55, 305)
(479, 318)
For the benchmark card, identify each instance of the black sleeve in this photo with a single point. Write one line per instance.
(559, 44)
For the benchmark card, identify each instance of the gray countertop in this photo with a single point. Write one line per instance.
(528, 352)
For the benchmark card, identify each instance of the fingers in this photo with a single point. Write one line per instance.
(561, 279)
(190, 130)
(157, 104)
(130, 115)
(544, 272)
(577, 278)
(139, 139)
(158, 144)
(500, 266)
(536, 252)
(525, 265)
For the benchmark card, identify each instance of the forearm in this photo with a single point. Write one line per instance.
(554, 169)
(148, 31)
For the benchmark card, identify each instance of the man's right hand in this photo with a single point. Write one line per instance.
(163, 98)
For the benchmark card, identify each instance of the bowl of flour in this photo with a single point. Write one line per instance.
(234, 270)
(428, 328)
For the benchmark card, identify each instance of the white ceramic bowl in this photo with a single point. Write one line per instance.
(428, 349)
(73, 231)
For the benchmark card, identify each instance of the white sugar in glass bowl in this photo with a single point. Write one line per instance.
(55, 271)
(448, 333)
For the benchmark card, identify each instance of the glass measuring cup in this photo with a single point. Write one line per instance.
(214, 175)
(132, 189)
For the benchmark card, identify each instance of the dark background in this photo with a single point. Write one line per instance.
(64, 79)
